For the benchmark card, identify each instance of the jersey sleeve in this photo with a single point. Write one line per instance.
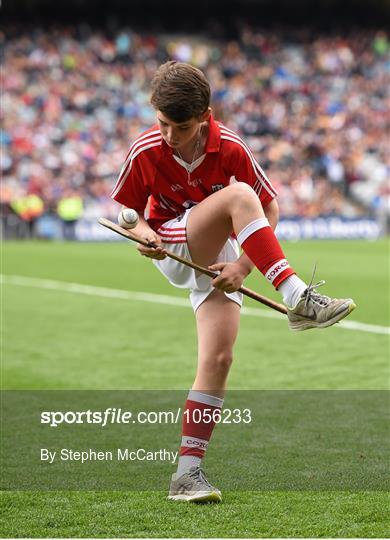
(131, 188)
(246, 169)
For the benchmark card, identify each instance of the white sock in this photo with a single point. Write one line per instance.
(292, 289)
(185, 463)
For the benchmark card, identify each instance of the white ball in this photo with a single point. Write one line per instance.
(128, 218)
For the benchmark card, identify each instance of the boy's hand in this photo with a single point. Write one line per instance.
(153, 253)
(231, 276)
(144, 231)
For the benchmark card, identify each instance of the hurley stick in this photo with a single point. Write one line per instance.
(247, 292)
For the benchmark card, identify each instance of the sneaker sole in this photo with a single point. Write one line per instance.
(305, 324)
(201, 497)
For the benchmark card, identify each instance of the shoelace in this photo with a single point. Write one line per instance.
(199, 476)
(312, 294)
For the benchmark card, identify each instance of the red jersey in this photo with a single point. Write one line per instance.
(152, 170)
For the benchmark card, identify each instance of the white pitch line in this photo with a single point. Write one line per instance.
(104, 292)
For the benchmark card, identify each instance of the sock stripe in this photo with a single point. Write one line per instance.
(276, 269)
(187, 441)
(206, 399)
(252, 227)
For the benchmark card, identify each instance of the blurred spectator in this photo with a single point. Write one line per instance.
(28, 208)
(313, 108)
(70, 210)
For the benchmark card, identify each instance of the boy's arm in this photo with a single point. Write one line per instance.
(271, 212)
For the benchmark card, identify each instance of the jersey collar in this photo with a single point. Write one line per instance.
(213, 140)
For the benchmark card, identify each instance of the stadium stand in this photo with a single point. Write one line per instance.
(313, 107)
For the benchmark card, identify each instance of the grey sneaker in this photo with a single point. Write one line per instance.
(317, 311)
(193, 487)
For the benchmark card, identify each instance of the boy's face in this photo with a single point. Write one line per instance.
(179, 135)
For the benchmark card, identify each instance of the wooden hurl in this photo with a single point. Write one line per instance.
(244, 290)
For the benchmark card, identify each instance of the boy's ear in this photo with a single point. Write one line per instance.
(206, 115)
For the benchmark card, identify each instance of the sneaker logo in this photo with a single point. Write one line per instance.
(312, 316)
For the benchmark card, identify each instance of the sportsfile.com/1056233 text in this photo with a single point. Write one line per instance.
(113, 415)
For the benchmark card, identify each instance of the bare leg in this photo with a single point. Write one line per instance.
(217, 325)
(213, 220)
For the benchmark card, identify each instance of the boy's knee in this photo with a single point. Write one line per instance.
(219, 363)
(242, 193)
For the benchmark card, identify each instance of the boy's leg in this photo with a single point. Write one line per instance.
(212, 221)
(217, 326)
(217, 322)
(237, 208)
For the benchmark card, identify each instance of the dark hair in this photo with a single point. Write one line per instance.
(180, 91)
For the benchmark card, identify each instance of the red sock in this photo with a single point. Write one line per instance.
(259, 242)
(198, 423)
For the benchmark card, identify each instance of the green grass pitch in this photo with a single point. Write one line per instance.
(57, 339)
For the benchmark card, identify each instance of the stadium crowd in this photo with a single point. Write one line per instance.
(313, 109)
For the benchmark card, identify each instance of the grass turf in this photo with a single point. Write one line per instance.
(143, 515)
(56, 339)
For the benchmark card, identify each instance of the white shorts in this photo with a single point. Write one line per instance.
(174, 237)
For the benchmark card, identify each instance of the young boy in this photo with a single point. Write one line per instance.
(205, 189)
